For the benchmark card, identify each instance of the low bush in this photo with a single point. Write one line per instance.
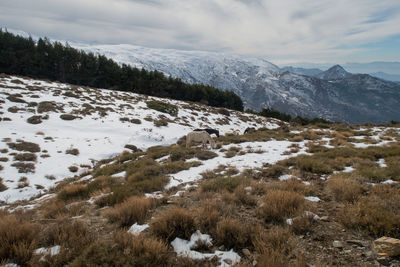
(3, 187)
(24, 146)
(25, 157)
(126, 250)
(17, 239)
(72, 151)
(73, 191)
(280, 204)
(232, 234)
(345, 189)
(207, 216)
(223, 183)
(205, 154)
(377, 213)
(133, 210)
(24, 167)
(163, 107)
(172, 223)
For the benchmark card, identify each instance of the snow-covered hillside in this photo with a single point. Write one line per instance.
(262, 84)
(103, 122)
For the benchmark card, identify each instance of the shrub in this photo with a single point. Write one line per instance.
(172, 223)
(132, 210)
(378, 213)
(277, 238)
(72, 236)
(136, 121)
(313, 164)
(16, 239)
(24, 167)
(205, 154)
(223, 183)
(3, 159)
(23, 182)
(34, 120)
(125, 250)
(206, 216)
(279, 204)
(25, 157)
(73, 191)
(3, 187)
(345, 189)
(224, 111)
(163, 107)
(232, 234)
(46, 106)
(24, 146)
(275, 171)
(73, 168)
(72, 151)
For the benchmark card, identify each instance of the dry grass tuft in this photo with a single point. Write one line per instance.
(72, 151)
(126, 250)
(73, 191)
(24, 146)
(3, 187)
(172, 223)
(24, 167)
(16, 239)
(232, 233)
(25, 157)
(343, 189)
(279, 204)
(132, 210)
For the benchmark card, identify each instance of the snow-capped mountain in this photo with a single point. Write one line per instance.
(302, 71)
(262, 84)
(334, 73)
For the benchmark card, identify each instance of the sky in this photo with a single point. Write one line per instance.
(284, 31)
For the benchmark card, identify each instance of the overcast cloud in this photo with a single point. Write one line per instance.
(283, 31)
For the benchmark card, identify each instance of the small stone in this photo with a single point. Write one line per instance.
(358, 243)
(337, 244)
(246, 252)
(387, 246)
(324, 218)
(255, 263)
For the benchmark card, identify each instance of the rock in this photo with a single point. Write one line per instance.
(34, 120)
(359, 243)
(387, 246)
(383, 260)
(246, 252)
(337, 244)
(324, 218)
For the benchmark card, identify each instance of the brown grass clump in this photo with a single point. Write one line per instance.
(34, 120)
(134, 209)
(24, 167)
(206, 216)
(277, 238)
(46, 106)
(205, 154)
(73, 191)
(54, 209)
(3, 187)
(377, 213)
(279, 204)
(73, 168)
(223, 183)
(16, 239)
(292, 185)
(24, 146)
(25, 157)
(172, 223)
(126, 250)
(23, 182)
(72, 236)
(344, 189)
(275, 171)
(232, 233)
(72, 151)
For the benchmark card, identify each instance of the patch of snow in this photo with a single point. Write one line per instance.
(156, 194)
(381, 163)
(137, 228)
(52, 251)
(120, 174)
(185, 248)
(389, 182)
(313, 199)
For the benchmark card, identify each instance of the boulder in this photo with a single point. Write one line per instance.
(387, 247)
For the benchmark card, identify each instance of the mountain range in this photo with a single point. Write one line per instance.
(334, 94)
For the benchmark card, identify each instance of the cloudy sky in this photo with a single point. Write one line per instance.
(281, 30)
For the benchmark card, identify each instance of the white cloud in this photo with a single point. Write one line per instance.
(293, 30)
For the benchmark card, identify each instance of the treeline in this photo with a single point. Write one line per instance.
(57, 62)
(272, 113)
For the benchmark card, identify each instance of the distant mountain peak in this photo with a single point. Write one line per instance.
(336, 72)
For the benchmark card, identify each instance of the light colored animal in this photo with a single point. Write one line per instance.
(199, 136)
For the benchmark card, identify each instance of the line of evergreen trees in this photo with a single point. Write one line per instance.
(57, 62)
(272, 113)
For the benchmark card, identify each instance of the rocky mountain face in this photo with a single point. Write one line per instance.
(334, 94)
(334, 73)
(302, 71)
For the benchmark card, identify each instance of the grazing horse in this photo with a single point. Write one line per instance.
(249, 130)
(199, 136)
(209, 131)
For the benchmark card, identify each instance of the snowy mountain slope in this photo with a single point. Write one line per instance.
(101, 130)
(262, 84)
(302, 71)
(334, 73)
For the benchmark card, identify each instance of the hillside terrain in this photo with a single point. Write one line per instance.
(98, 177)
(261, 84)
